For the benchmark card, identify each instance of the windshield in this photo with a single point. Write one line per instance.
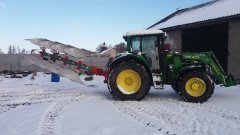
(149, 44)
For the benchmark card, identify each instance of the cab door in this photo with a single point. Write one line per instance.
(150, 48)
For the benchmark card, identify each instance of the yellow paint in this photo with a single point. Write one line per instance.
(195, 87)
(128, 81)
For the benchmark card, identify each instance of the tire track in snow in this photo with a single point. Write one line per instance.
(11, 100)
(149, 117)
(176, 117)
(51, 122)
(205, 107)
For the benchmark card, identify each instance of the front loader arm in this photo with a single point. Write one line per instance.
(226, 79)
(217, 70)
(210, 60)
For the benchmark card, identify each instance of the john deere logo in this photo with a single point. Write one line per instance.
(195, 57)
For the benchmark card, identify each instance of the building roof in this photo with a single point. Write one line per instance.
(213, 11)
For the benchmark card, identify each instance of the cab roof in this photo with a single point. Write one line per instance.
(143, 32)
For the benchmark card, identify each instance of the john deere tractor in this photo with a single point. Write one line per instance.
(148, 63)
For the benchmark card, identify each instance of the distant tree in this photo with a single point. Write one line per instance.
(23, 51)
(13, 49)
(10, 49)
(27, 52)
(18, 50)
(102, 47)
(121, 47)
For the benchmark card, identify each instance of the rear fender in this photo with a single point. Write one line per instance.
(122, 59)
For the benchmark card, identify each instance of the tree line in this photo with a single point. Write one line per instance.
(15, 50)
(12, 49)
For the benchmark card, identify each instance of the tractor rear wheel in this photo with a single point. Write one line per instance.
(196, 87)
(175, 87)
(129, 81)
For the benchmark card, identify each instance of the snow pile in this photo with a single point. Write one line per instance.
(36, 77)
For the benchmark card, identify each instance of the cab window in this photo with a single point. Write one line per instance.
(135, 43)
(149, 44)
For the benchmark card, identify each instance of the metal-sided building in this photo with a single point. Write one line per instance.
(214, 25)
(17, 63)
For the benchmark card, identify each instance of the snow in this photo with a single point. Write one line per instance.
(21, 120)
(107, 120)
(37, 106)
(143, 32)
(215, 10)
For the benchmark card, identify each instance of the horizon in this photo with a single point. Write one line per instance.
(83, 24)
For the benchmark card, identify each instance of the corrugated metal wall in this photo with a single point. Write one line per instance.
(234, 49)
(16, 62)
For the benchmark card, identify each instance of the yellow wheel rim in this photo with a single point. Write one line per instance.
(128, 81)
(195, 87)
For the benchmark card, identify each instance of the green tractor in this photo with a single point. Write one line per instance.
(148, 63)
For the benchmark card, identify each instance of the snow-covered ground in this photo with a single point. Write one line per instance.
(29, 107)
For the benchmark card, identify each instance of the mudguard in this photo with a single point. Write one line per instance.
(130, 57)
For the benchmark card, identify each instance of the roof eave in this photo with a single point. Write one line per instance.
(180, 11)
(202, 23)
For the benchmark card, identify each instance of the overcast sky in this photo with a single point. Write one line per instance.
(81, 23)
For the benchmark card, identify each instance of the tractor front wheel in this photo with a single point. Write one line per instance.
(129, 81)
(196, 87)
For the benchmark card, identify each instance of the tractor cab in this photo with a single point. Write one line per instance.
(148, 43)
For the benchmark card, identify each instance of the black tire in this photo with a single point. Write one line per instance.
(203, 77)
(141, 92)
(175, 87)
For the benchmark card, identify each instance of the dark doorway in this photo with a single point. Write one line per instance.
(205, 38)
